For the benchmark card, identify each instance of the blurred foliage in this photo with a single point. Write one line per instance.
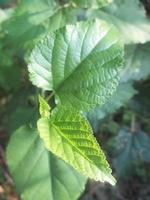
(132, 147)
(129, 16)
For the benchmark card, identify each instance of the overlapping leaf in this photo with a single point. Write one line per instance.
(68, 135)
(81, 63)
(37, 173)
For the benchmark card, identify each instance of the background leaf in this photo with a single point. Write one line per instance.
(91, 4)
(137, 61)
(121, 96)
(24, 29)
(129, 17)
(130, 147)
(40, 169)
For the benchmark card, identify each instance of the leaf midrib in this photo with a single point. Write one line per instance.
(78, 150)
(81, 61)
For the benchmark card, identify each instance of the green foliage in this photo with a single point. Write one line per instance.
(129, 17)
(21, 109)
(76, 63)
(137, 62)
(44, 109)
(83, 71)
(35, 169)
(121, 96)
(91, 4)
(24, 27)
(68, 135)
(9, 79)
(130, 147)
(141, 102)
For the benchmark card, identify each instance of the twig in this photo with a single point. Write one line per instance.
(4, 167)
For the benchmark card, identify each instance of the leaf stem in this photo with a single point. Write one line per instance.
(135, 127)
(50, 96)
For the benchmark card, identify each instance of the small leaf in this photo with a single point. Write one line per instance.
(44, 107)
(81, 63)
(68, 135)
(37, 173)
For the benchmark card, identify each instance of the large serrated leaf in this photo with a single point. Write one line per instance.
(37, 173)
(91, 4)
(68, 135)
(80, 63)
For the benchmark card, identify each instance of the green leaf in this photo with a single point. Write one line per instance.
(81, 63)
(141, 102)
(37, 173)
(3, 15)
(44, 107)
(91, 4)
(21, 109)
(10, 73)
(121, 96)
(35, 19)
(129, 17)
(68, 135)
(130, 147)
(137, 62)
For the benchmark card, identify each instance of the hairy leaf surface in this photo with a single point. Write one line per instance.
(81, 63)
(37, 173)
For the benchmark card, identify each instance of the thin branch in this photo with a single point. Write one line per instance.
(4, 167)
(50, 96)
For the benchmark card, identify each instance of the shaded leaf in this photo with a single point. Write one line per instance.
(137, 62)
(123, 93)
(35, 19)
(141, 102)
(35, 169)
(131, 147)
